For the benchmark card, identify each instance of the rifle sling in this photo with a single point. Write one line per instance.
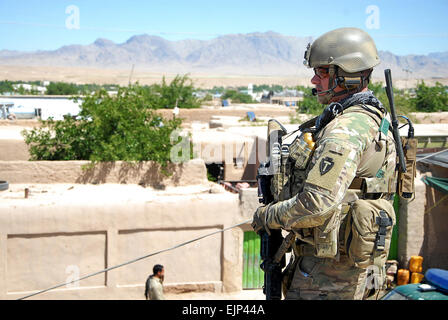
(286, 244)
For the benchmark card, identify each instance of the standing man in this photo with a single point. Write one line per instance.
(338, 201)
(154, 284)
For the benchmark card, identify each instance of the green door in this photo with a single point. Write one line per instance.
(253, 276)
(393, 251)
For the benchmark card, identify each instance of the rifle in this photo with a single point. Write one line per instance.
(270, 243)
(390, 97)
(273, 245)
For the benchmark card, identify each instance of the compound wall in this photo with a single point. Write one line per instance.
(65, 230)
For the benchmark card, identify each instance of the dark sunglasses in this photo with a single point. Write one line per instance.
(321, 72)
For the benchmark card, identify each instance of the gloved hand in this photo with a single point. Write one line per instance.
(259, 220)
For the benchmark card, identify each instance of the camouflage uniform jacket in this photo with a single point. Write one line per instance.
(345, 148)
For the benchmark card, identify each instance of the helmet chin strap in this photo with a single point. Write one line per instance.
(337, 80)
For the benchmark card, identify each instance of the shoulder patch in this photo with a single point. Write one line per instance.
(326, 164)
(328, 167)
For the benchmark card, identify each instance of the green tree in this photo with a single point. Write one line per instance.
(208, 97)
(430, 99)
(237, 97)
(309, 104)
(217, 90)
(402, 100)
(62, 88)
(21, 90)
(179, 92)
(109, 128)
(266, 87)
(6, 86)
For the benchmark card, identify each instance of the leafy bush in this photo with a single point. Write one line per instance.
(179, 92)
(309, 104)
(108, 128)
(208, 97)
(266, 87)
(430, 99)
(217, 90)
(237, 97)
(6, 86)
(402, 100)
(62, 88)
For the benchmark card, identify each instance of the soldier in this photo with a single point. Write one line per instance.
(338, 199)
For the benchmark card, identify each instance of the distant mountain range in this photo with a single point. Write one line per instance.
(269, 54)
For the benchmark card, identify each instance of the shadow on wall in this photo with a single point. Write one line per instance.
(147, 173)
(435, 243)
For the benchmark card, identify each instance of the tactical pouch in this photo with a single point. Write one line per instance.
(406, 180)
(281, 181)
(326, 237)
(368, 232)
(293, 160)
(300, 152)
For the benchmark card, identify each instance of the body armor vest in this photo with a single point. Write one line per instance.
(375, 179)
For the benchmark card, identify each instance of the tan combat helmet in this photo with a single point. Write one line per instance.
(351, 49)
(348, 52)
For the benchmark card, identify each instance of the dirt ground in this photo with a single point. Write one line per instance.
(121, 77)
(113, 76)
(12, 146)
(425, 117)
(200, 115)
(206, 113)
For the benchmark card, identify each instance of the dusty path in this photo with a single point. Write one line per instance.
(206, 113)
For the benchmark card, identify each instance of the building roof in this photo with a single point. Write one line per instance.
(439, 159)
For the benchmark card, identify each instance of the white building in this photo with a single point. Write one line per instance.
(29, 87)
(55, 107)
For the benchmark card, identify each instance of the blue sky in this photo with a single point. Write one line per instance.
(399, 26)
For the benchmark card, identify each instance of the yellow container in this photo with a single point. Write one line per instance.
(416, 277)
(415, 264)
(308, 137)
(402, 277)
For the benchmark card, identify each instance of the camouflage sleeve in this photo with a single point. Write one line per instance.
(332, 169)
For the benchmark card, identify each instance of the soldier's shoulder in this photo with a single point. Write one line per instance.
(353, 120)
(351, 126)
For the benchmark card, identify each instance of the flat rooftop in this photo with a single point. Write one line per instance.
(69, 194)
